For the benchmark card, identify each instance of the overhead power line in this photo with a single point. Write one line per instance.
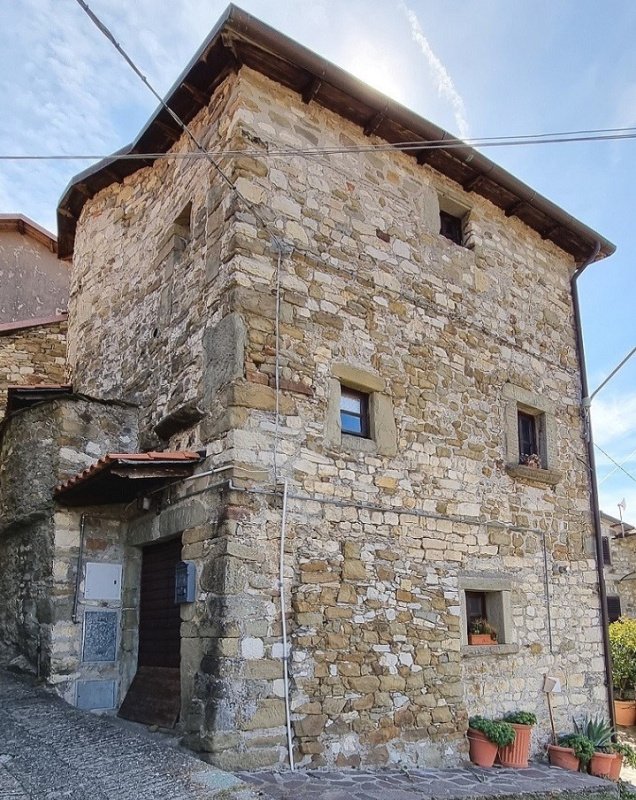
(619, 466)
(182, 125)
(275, 152)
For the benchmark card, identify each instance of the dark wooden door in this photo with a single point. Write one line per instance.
(159, 616)
(154, 697)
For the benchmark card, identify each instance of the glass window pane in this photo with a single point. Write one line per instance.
(350, 403)
(350, 423)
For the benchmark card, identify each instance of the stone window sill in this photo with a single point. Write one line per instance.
(529, 474)
(480, 651)
(358, 443)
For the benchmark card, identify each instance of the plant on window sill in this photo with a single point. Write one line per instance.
(481, 632)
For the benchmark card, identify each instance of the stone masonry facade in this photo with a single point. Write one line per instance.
(174, 307)
(32, 354)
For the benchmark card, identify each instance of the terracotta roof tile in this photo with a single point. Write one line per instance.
(155, 457)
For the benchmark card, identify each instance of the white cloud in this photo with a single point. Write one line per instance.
(444, 82)
(614, 422)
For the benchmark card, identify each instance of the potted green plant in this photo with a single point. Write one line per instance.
(480, 631)
(517, 754)
(485, 737)
(572, 751)
(623, 752)
(622, 636)
(600, 733)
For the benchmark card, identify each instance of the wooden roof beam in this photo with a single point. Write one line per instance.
(173, 134)
(374, 123)
(424, 156)
(546, 233)
(514, 209)
(199, 96)
(472, 183)
(311, 90)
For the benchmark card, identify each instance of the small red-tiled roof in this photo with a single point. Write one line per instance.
(127, 458)
(165, 465)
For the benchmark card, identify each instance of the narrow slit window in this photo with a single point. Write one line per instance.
(613, 607)
(451, 227)
(607, 556)
(354, 413)
(528, 439)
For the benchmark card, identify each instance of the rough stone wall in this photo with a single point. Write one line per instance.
(382, 536)
(104, 543)
(32, 355)
(33, 281)
(620, 574)
(142, 300)
(41, 446)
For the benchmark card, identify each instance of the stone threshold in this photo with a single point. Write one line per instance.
(538, 782)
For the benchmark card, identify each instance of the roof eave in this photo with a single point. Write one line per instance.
(235, 30)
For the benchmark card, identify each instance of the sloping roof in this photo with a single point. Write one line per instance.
(120, 477)
(239, 38)
(24, 396)
(26, 226)
(37, 322)
(614, 522)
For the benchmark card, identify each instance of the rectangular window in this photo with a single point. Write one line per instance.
(354, 412)
(607, 556)
(451, 227)
(528, 439)
(613, 607)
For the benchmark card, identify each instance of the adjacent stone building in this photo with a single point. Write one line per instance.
(354, 373)
(34, 281)
(619, 566)
(34, 286)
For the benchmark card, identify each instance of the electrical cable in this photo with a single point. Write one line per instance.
(617, 467)
(182, 125)
(407, 146)
(629, 475)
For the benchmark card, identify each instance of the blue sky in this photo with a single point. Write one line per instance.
(476, 67)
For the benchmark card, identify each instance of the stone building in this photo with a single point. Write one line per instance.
(619, 566)
(354, 375)
(33, 299)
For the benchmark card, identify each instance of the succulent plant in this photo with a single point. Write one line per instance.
(521, 718)
(497, 731)
(597, 730)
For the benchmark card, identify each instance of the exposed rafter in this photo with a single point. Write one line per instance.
(311, 90)
(374, 123)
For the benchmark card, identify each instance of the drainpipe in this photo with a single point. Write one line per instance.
(596, 513)
(78, 574)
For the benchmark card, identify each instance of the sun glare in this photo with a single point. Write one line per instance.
(378, 70)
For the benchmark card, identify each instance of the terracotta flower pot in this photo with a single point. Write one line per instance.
(563, 757)
(625, 712)
(482, 750)
(615, 767)
(481, 638)
(516, 754)
(601, 764)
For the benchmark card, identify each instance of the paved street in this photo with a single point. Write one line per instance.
(423, 784)
(51, 751)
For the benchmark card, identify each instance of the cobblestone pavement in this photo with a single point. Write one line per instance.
(422, 784)
(51, 751)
